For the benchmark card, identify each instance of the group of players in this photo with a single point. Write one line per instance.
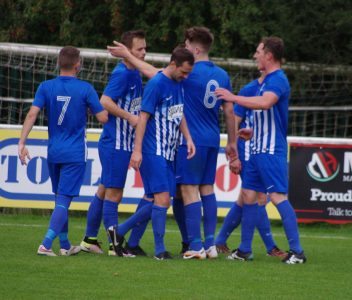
(169, 131)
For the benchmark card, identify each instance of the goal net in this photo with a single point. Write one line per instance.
(321, 96)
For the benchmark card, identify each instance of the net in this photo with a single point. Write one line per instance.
(320, 104)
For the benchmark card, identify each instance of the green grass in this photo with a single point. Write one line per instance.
(24, 275)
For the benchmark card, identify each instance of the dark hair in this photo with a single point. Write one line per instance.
(128, 36)
(68, 57)
(201, 35)
(181, 55)
(274, 45)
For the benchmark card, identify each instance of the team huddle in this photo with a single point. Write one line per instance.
(169, 131)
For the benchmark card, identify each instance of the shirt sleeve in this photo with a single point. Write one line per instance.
(240, 111)
(276, 86)
(39, 98)
(117, 85)
(93, 101)
(150, 97)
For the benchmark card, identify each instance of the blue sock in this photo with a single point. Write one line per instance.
(110, 216)
(179, 214)
(141, 215)
(249, 220)
(138, 231)
(159, 223)
(63, 237)
(232, 220)
(209, 219)
(94, 217)
(193, 218)
(58, 219)
(289, 222)
(264, 228)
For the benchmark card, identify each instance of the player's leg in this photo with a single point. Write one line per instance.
(193, 217)
(179, 214)
(275, 175)
(231, 222)
(159, 180)
(264, 228)
(137, 223)
(159, 210)
(114, 172)
(94, 217)
(66, 182)
(189, 174)
(251, 184)
(209, 202)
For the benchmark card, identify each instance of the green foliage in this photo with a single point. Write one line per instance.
(314, 31)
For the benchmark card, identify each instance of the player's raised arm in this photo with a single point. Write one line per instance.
(120, 50)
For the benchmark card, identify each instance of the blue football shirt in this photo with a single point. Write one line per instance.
(125, 89)
(201, 104)
(249, 90)
(270, 126)
(163, 99)
(66, 100)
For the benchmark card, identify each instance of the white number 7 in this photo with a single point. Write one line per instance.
(64, 108)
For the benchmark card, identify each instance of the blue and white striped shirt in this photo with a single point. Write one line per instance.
(125, 89)
(270, 126)
(163, 99)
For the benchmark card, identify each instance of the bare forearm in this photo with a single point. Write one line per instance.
(184, 129)
(140, 131)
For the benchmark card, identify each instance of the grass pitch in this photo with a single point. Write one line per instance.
(24, 275)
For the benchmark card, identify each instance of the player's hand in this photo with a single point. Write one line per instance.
(235, 166)
(245, 133)
(136, 160)
(191, 149)
(118, 50)
(224, 94)
(23, 153)
(133, 120)
(231, 151)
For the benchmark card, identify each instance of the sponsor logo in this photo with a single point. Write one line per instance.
(175, 112)
(323, 166)
(319, 195)
(135, 105)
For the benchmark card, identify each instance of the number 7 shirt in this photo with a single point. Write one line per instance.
(66, 100)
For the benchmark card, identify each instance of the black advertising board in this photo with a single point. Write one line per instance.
(320, 187)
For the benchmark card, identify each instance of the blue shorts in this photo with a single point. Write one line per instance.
(266, 173)
(67, 179)
(114, 167)
(200, 169)
(158, 174)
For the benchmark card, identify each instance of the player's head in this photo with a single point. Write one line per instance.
(269, 50)
(198, 40)
(69, 59)
(181, 63)
(134, 40)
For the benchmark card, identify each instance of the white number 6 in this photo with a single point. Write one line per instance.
(209, 97)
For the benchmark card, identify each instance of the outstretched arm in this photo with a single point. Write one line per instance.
(258, 102)
(26, 129)
(120, 50)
